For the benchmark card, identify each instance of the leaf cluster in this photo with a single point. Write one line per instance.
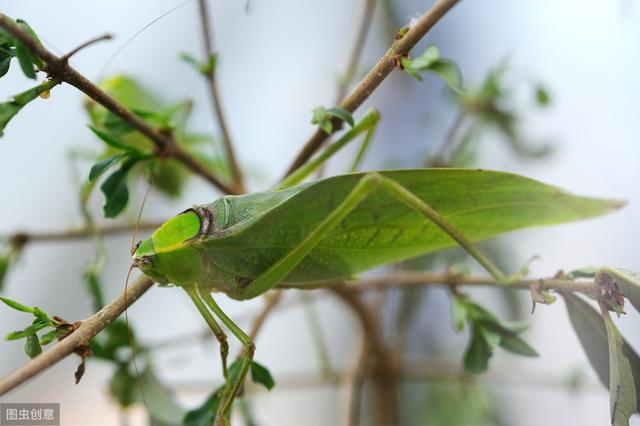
(487, 332)
(323, 117)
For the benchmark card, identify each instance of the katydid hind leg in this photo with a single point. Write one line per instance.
(234, 384)
(213, 325)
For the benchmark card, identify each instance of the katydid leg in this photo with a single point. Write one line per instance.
(249, 349)
(213, 325)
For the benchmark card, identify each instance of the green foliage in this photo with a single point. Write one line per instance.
(41, 321)
(492, 106)
(130, 149)
(9, 109)
(205, 67)
(613, 359)
(487, 332)
(430, 61)
(322, 117)
(260, 374)
(11, 48)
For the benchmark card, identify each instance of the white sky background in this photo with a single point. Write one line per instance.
(277, 64)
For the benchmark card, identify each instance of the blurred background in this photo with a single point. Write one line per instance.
(279, 59)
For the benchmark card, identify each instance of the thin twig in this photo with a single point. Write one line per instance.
(62, 71)
(383, 368)
(21, 238)
(87, 330)
(377, 74)
(273, 298)
(207, 37)
(358, 47)
(87, 43)
(417, 279)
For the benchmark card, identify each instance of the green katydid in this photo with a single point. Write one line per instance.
(312, 234)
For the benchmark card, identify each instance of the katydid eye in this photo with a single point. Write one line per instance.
(144, 261)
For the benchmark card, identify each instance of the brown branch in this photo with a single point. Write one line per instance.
(207, 37)
(87, 43)
(377, 74)
(356, 53)
(59, 69)
(87, 330)
(19, 239)
(383, 368)
(273, 298)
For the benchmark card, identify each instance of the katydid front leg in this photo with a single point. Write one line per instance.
(249, 349)
(366, 186)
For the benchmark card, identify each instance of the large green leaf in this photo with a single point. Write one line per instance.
(622, 375)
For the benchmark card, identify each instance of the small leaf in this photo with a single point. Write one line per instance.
(102, 166)
(448, 71)
(515, 344)
(25, 60)
(10, 108)
(116, 191)
(32, 329)
(622, 389)
(206, 413)
(477, 354)
(260, 374)
(320, 117)
(342, 114)
(459, 312)
(4, 267)
(32, 346)
(50, 336)
(26, 28)
(17, 306)
(112, 141)
(542, 96)
(588, 272)
(92, 281)
(4, 65)
(592, 333)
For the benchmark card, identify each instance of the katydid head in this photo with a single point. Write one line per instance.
(168, 256)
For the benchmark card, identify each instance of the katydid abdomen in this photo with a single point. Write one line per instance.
(226, 244)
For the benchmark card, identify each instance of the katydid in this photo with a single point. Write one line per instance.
(317, 233)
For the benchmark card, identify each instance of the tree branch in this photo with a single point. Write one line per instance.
(413, 279)
(60, 70)
(377, 74)
(19, 239)
(87, 330)
(87, 43)
(383, 368)
(207, 37)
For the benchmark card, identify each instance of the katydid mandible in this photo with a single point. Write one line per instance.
(317, 233)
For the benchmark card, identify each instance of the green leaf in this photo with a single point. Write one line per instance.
(25, 58)
(102, 166)
(594, 337)
(477, 353)
(260, 374)
(448, 71)
(9, 109)
(112, 141)
(32, 329)
(206, 413)
(515, 344)
(160, 402)
(459, 312)
(116, 191)
(17, 306)
(123, 386)
(32, 346)
(622, 388)
(92, 281)
(542, 96)
(202, 67)
(5, 63)
(26, 28)
(342, 114)
(52, 335)
(4, 267)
